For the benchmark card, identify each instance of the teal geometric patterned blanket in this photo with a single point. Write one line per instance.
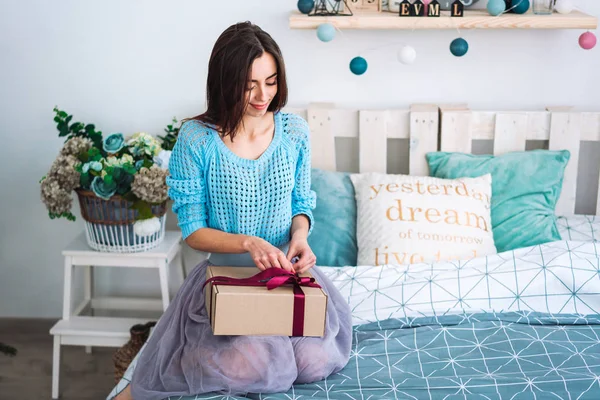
(523, 324)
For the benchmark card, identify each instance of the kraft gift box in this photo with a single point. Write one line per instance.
(258, 310)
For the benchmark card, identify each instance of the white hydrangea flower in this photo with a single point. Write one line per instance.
(162, 159)
(112, 161)
(119, 162)
(146, 227)
(143, 143)
(127, 159)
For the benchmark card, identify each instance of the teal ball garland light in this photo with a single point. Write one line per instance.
(306, 6)
(326, 32)
(459, 47)
(520, 6)
(496, 7)
(358, 65)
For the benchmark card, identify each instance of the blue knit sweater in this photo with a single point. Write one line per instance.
(213, 187)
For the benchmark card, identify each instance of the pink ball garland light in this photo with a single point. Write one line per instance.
(587, 41)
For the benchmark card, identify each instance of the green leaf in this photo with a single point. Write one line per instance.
(147, 163)
(89, 128)
(85, 181)
(144, 209)
(69, 118)
(62, 114)
(63, 129)
(108, 180)
(129, 196)
(117, 173)
(76, 127)
(68, 215)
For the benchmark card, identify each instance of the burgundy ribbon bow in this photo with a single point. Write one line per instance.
(273, 278)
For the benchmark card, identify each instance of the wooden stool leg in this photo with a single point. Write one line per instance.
(55, 366)
(67, 289)
(88, 294)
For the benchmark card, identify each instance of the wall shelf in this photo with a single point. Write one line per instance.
(479, 19)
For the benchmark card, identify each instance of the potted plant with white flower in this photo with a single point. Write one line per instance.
(120, 183)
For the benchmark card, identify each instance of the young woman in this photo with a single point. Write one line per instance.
(240, 180)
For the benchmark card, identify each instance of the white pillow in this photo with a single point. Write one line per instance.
(405, 219)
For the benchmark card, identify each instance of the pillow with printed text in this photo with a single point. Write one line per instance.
(405, 219)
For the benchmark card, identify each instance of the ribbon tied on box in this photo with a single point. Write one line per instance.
(273, 278)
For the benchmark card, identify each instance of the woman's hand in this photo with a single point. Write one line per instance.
(299, 248)
(265, 255)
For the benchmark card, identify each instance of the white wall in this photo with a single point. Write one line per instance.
(131, 65)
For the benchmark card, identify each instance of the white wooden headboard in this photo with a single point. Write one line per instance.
(510, 130)
(449, 128)
(419, 124)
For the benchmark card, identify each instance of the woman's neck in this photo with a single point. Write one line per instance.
(252, 126)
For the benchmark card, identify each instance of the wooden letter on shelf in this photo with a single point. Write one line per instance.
(418, 9)
(433, 9)
(458, 9)
(405, 9)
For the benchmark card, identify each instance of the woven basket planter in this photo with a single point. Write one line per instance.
(109, 224)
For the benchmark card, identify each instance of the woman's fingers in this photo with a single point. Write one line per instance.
(285, 263)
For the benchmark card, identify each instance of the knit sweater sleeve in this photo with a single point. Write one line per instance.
(186, 179)
(303, 198)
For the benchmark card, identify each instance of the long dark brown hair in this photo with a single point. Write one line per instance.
(228, 74)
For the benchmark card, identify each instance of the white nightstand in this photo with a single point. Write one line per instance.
(75, 329)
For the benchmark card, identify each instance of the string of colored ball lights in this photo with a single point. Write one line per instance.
(459, 47)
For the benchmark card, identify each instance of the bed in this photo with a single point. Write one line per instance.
(519, 324)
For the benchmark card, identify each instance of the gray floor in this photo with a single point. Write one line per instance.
(28, 376)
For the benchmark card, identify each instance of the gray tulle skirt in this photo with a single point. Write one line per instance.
(183, 357)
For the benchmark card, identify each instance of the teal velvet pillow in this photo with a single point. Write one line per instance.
(333, 238)
(525, 188)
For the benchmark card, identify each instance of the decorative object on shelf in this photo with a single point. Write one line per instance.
(520, 6)
(496, 7)
(433, 8)
(393, 6)
(125, 354)
(447, 4)
(305, 6)
(418, 9)
(459, 47)
(564, 6)
(120, 184)
(542, 7)
(326, 32)
(587, 41)
(366, 5)
(325, 8)
(407, 55)
(358, 65)
(405, 9)
(458, 9)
